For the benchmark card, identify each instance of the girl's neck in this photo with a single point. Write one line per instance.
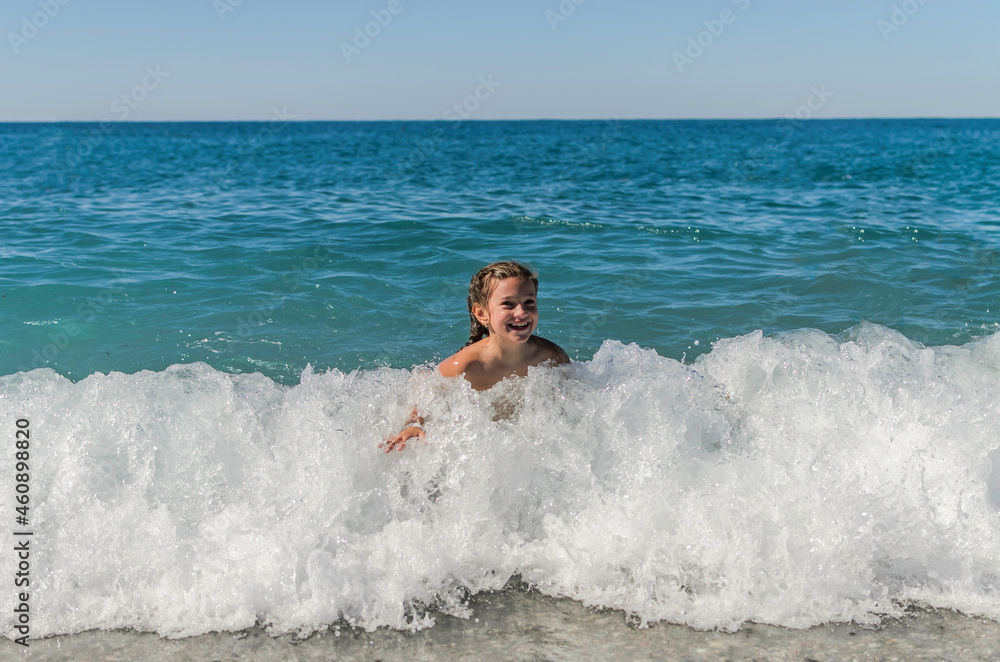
(507, 353)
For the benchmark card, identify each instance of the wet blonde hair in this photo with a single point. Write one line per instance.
(482, 285)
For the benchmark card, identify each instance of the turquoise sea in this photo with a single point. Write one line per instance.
(782, 406)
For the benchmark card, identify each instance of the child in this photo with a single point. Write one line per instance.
(503, 313)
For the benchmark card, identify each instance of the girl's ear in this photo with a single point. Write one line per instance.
(481, 314)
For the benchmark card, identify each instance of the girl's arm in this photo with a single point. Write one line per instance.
(414, 427)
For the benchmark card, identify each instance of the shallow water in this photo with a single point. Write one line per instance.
(514, 625)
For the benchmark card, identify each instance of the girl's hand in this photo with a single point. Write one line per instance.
(399, 441)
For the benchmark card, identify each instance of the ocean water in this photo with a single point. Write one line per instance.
(782, 406)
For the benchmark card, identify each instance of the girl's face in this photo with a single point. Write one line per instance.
(512, 310)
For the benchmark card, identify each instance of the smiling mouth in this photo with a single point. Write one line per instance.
(520, 327)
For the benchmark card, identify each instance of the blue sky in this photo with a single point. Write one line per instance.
(89, 60)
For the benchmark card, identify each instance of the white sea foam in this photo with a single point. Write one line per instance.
(791, 480)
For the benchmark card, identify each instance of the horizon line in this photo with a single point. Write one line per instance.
(519, 119)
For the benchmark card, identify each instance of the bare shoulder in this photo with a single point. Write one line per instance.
(459, 362)
(550, 351)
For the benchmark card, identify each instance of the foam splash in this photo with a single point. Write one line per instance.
(792, 480)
